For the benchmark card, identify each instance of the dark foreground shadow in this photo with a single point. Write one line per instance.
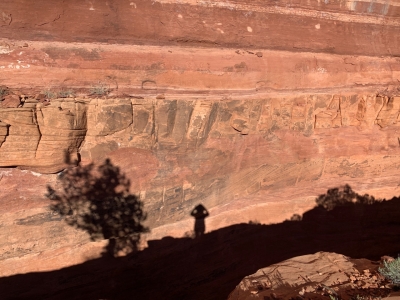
(211, 267)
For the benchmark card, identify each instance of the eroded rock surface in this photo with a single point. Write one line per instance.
(332, 27)
(252, 109)
(179, 153)
(40, 137)
(315, 276)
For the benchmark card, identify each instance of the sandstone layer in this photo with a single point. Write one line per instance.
(316, 276)
(252, 109)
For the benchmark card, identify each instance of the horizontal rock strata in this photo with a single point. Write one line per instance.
(245, 160)
(252, 109)
(342, 27)
(155, 70)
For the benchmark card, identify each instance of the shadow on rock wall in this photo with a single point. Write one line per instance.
(98, 201)
(210, 267)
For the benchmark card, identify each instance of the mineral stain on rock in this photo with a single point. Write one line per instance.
(38, 219)
(65, 54)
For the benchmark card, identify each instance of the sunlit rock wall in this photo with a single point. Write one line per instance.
(252, 109)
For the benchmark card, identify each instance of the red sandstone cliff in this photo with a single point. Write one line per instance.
(252, 109)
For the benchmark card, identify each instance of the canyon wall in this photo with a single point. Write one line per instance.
(252, 109)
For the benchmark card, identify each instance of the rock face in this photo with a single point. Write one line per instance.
(335, 26)
(40, 137)
(326, 269)
(314, 276)
(252, 109)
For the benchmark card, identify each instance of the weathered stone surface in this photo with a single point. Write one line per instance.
(178, 153)
(41, 137)
(353, 27)
(295, 276)
(314, 276)
(10, 101)
(108, 117)
(3, 132)
(175, 70)
(252, 109)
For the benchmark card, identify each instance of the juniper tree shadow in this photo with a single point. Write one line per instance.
(343, 196)
(98, 201)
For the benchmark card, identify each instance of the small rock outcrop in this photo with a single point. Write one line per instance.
(321, 275)
(39, 138)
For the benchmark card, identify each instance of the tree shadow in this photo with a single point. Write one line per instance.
(343, 196)
(210, 267)
(98, 201)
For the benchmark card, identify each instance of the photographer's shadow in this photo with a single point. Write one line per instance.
(199, 213)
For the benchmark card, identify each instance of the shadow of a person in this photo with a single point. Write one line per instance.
(199, 213)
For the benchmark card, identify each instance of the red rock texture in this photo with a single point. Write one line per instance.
(10, 101)
(317, 276)
(351, 27)
(144, 70)
(252, 109)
